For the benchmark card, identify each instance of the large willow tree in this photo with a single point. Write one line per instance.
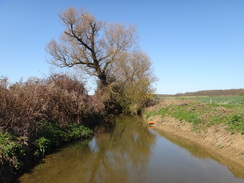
(107, 51)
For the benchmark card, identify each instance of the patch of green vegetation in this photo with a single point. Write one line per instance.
(79, 132)
(235, 123)
(233, 100)
(215, 120)
(186, 113)
(203, 115)
(237, 108)
(187, 116)
(43, 144)
(13, 151)
(53, 135)
(162, 111)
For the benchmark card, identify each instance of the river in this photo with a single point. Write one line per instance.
(134, 153)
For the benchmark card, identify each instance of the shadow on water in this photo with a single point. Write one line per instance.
(132, 153)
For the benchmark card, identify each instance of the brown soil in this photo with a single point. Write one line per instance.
(214, 138)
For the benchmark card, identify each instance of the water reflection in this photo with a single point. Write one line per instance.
(132, 153)
(203, 153)
(117, 156)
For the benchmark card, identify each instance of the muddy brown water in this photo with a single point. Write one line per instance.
(133, 153)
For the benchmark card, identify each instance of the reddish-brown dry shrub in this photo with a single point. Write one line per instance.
(25, 106)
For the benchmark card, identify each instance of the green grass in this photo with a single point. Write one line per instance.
(236, 123)
(187, 116)
(162, 112)
(228, 111)
(231, 100)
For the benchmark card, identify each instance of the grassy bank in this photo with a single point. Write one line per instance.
(203, 112)
(39, 115)
(217, 125)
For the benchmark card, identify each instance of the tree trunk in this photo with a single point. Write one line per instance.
(103, 80)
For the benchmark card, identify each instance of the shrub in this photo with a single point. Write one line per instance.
(236, 123)
(11, 150)
(78, 132)
(58, 98)
(53, 135)
(43, 144)
(40, 114)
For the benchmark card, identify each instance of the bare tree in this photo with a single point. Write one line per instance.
(134, 77)
(90, 44)
(108, 51)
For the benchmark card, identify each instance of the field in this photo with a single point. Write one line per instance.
(232, 100)
(203, 112)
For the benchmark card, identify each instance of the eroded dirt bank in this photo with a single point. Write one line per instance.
(215, 138)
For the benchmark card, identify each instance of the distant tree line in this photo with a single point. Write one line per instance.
(229, 92)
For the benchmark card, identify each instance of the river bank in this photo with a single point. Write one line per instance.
(133, 153)
(40, 115)
(215, 127)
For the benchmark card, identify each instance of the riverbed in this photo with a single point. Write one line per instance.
(133, 153)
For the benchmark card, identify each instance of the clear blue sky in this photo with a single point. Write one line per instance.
(193, 44)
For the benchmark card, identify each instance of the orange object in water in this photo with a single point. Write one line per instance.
(151, 122)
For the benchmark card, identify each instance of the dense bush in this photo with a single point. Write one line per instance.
(40, 114)
(26, 105)
(53, 135)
